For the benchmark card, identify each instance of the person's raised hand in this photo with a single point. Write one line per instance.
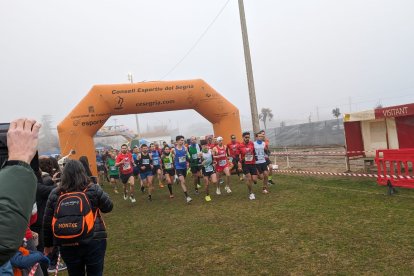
(22, 139)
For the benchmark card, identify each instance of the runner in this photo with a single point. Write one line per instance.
(180, 163)
(207, 167)
(135, 155)
(233, 152)
(247, 162)
(100, 166)
(125, 163)
(168, 168)
(211, 143)
(155, 154)
(145, 169)
(261, 163)
(113, 171)
(269, 163)
(195, 166)
(222, 164)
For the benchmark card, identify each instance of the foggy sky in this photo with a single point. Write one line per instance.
(309, 56)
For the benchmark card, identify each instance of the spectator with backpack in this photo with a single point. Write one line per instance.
(72, 221)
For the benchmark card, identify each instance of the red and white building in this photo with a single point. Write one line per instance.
(383, 128)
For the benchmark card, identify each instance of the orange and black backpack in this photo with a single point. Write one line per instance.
(73, 219)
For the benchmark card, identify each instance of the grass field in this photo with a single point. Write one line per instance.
(306, 225)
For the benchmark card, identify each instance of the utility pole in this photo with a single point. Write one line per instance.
(317, 113)
(130, 78)
(249, 70)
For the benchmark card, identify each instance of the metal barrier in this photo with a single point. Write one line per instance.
(395, 168)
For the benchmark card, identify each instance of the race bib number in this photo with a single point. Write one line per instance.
(249, 157)
(168, 165)
(155, 162)
(181, 159)
(126, 166)
(209, 168)
(145, 161)
(194, 156)
(112, 168)
(222, 163)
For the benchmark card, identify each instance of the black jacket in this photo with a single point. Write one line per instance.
(43, 191)
(98, 199)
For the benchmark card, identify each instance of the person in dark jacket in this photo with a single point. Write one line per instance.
(85, 162)
(90, 254)
(50, 177)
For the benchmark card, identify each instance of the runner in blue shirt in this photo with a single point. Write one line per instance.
(180, 155)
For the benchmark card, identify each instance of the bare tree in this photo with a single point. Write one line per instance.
(265, 115)
(48, 141)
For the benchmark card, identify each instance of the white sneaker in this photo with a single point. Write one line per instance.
(228, 190)
(218, 191)
(252, 197)
(125, 197)
(265, 191)
(221, 181)
(189, 199)
(133, 200)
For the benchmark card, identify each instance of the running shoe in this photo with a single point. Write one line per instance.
(196, 192)
(198, 186)
(228, 190)
(133, 200)
(171, 196)
(252, 197)
(116, 191)
(265, 191)
(218, 191)
(60, 267)
(142, 189)
(208, 198)
(221, 181)
(125, 196)
(271, 181)
(161, 185)
(189, 199)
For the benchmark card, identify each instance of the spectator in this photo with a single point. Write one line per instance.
(84, 254)
(85, 162)
(50, 178)
(18, 186)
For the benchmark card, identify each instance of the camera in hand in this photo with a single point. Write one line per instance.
(4, 152)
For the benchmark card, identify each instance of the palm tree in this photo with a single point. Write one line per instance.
(265, 114)
(336, 113)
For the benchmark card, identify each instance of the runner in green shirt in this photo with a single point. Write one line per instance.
(113, 171)
(194, 150)
(168, 167)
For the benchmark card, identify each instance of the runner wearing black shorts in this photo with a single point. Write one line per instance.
(208, 170)
(195, 163)
(248, 163)
(145, 169)
(125, 163)
(168, 168)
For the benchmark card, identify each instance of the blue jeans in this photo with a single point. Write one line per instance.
(6, 269)
(90, 256)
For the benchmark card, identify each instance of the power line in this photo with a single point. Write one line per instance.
(197, 41)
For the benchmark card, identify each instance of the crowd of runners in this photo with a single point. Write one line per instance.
(210, 160)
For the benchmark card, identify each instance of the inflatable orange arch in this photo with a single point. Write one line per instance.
(76, 131)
